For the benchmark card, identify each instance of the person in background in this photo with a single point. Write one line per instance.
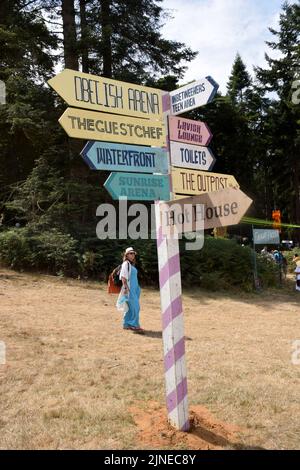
(296, 260)
(264, 251)
(129, 298)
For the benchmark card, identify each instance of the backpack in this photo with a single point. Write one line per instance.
(114, 282)
(115, 276)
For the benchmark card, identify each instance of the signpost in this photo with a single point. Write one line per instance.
(138, 187)
(87, 91)
(189, 131)
(122, 157)
(195, 182)
(172, 317)
(191, 156)
(216, 209)
(193, 95)
(91, 125)
(120, 119)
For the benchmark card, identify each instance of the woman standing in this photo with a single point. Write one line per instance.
(129, 298)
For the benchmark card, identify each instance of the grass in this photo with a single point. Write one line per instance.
(72, 373)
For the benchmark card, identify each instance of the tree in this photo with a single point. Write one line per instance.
(239, 80)
(70, 36)
(283, 115)
(125, 41)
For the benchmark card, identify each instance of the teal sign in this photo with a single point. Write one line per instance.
(138, 187)
(265, 237)
(121, 157)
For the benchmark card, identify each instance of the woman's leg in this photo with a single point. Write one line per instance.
(132, 316)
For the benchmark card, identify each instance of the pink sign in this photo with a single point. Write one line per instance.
(189, 131)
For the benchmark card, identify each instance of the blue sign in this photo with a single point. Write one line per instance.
(138, 187)
(265, 237)
(121, 157)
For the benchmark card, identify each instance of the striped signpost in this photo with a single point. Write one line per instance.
(172, 316)
(121, 116)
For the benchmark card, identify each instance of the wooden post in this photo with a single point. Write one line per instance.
(172, 316)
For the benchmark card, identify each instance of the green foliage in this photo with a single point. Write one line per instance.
(221, 264)
(51, 251)
(239, 80)
(44, 183)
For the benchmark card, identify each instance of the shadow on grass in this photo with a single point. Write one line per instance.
(215, 439)
(158, 334)
(265, 298)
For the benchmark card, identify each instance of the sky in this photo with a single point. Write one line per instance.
(218, 29)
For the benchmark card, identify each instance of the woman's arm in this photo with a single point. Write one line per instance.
(125, 284)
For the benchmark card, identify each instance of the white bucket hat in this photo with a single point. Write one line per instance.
(130, 250)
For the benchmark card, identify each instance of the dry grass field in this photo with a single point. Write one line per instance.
(73, 379)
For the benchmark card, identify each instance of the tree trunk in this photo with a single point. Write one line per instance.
(84, 37)
(69, 30)
(106, 38)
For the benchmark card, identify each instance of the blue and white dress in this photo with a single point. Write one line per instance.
(130, 303)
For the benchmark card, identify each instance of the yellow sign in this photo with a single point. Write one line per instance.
(91, 125)
(186, 181)
(83, 90)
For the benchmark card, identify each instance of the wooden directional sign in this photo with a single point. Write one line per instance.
(217, 209)
(122, 157)
(138, 187)
(191, 156)
(185, 181)
(83, 90)
(189, 131)
(193, 95)
(83, 124)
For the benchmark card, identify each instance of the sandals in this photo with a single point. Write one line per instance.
(135, 329)
(138, 330)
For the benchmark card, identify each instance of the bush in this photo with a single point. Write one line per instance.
(224, 264)
(221, 264)
(15, 249)
(51, 251)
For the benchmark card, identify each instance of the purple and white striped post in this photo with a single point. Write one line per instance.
(172, 315)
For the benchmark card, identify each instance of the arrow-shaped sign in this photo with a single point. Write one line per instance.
(138, 187)
(193, 95)
(191, 156)
(189, 131)
(185, 181)
(217, 209)
(91, 125)
(83, 90)
(120, 157)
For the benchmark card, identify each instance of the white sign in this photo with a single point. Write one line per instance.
(265, 237)
(191, 156)
(193, 95)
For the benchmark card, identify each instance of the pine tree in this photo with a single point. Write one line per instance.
(239, 80)
(283, 115)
